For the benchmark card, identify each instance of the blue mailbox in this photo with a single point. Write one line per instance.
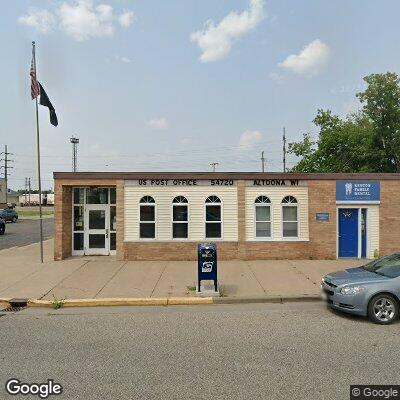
(207, 264)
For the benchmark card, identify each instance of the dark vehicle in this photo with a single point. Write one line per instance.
(372, 289)
(8, 214)
(2, 226)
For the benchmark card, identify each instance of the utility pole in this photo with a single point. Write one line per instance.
(284, 149)
(26, 189)
(213, 165)
(6, 167)
(29, 188)
(262, 162)
(74, 142)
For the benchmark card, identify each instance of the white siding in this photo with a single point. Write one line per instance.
(372, 229)
(276, 194)
(196, 197)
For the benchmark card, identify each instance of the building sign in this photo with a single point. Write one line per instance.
(215, 182)
(180, 182)
(322, 216)
(276, 182)
(358, 191)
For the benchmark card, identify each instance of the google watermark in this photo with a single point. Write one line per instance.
(374, 392)
(42, 390)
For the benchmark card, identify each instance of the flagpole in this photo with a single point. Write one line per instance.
(38, 160)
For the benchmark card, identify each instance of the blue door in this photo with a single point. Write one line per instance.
(348, 232)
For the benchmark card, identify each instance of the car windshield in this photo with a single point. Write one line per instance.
(388, 266)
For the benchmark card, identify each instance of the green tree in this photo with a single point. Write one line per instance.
(381, 104)
(368, 141)
(342, 145)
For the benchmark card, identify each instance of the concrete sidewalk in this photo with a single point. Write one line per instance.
(105, 277)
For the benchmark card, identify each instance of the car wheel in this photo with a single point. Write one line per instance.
(383, 309)
(14, 220)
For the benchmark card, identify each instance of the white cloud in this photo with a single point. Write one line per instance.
(42, 20)
(157, 123)
(310, 60)
(80, 19)
(249, 139)
(123, 59)
(216, 41)
(126, 19)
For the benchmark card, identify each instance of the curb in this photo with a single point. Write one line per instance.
(149, 301)
(164, 301)
(265, 299)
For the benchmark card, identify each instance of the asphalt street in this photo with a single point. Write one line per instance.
(25, 231)
(253, 351)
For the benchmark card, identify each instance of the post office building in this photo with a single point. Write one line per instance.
(163, 216)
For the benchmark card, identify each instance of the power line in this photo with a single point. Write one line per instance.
(173, 153)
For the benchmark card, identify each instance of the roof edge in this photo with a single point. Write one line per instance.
(226, 175)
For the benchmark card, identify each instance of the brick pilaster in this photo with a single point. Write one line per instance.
(241, 204)
(120, 220)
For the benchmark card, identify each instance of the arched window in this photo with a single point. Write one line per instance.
(213, 218)
(289, 200)
(213, 199)
(147, 199)
(262, 205)
(290, 222)
(180, 218)
(147, 218)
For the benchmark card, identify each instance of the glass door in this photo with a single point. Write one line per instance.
(97, 222)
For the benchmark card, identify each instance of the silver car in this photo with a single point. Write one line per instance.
(371, 290)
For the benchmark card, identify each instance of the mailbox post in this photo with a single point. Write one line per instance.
(207, 268)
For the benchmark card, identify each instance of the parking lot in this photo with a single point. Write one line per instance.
(25, 231)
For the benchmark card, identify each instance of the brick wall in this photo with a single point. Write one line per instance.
(275, 250)
(174, 251)
(62, 221)
(323, 235)
(389, 218)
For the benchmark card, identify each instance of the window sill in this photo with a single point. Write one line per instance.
(279, 240)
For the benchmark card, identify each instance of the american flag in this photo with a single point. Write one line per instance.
(35, 88)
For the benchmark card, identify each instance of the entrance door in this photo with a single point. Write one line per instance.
(348, 232)
(97, 232)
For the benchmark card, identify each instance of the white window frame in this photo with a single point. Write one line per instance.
(180, 204)
(83, 205)
(266, 204)
(148, 222)
(291, 204)
(220, 204)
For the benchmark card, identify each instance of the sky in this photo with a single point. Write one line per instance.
(168, 85)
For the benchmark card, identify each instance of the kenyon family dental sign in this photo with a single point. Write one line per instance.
(358, 191)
